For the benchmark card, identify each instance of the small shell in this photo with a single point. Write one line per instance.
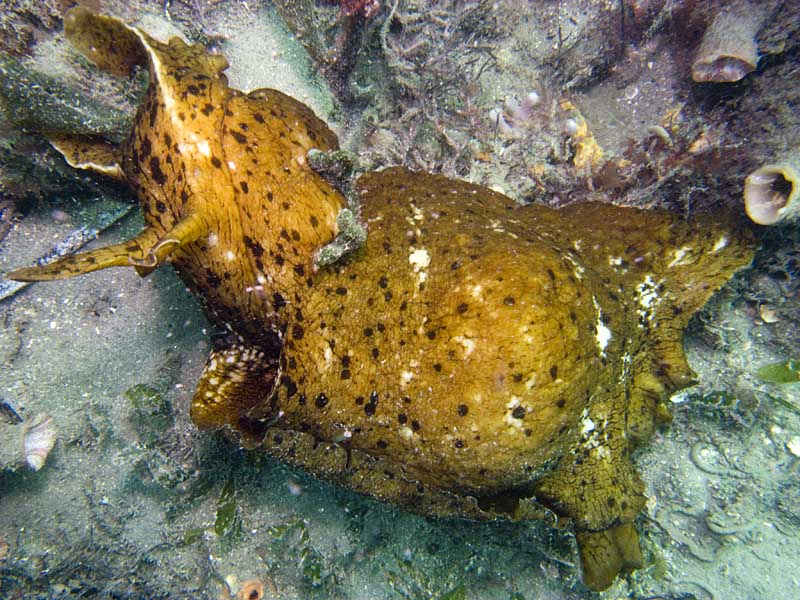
(38, 439)
(728, 50)
(772, 192)
(768, 313)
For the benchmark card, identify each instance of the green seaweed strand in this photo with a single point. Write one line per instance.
(780, 372)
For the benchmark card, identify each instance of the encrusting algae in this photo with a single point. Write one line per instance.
(472, 358)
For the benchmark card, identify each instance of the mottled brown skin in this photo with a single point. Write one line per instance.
(473, 358)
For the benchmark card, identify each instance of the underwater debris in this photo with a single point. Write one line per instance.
(772, 192)
(365, 7)
(339, 70)
(713, 460)
(293, 540)
(8, 414)
(515, 116)
(522, 111)
(729, 50)
(457, 593)
(7, 215)
(11, 449)
(588, 153)
(152, 413)
(502, 126)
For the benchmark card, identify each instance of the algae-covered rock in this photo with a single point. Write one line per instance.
(32, 99)
(152, 414)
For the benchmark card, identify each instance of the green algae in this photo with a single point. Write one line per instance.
(293, 538)
(152, 412)
(352, 235)
(781, 372)
(191, 535)
(457, 593)
(228, 523)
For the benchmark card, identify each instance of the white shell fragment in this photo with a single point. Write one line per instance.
(794, 445)
(38, 440)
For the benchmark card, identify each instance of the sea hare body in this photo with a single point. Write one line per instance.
(472, 358)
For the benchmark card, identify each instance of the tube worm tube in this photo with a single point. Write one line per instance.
(772, 192)
(728, 50)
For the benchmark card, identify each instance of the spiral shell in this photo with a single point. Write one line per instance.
(38, 440)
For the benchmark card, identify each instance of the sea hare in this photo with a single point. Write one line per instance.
(472, 358)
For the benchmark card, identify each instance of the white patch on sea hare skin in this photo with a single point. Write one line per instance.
(680, 256)
(419, 260)
(509, 417)
(603, 334)
(648, 298)
(203, 148)
(466, 343)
